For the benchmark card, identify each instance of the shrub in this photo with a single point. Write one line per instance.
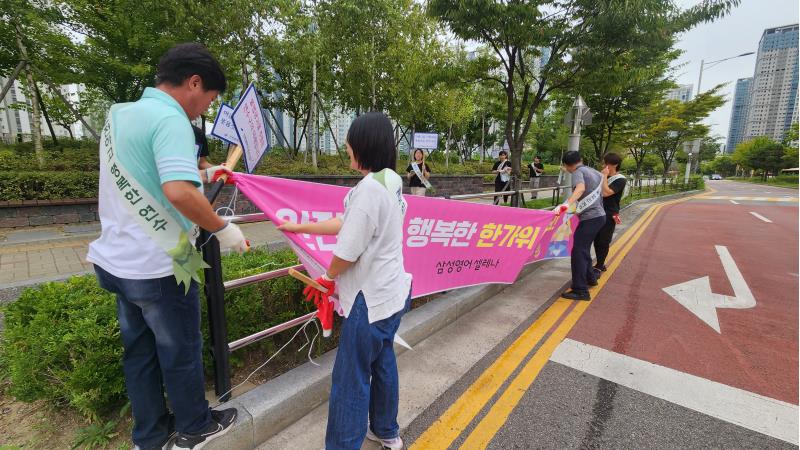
(47, 185)
(61, 343)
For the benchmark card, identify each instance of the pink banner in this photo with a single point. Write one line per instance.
(448, 244)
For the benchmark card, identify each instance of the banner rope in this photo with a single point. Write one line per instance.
(309, 342)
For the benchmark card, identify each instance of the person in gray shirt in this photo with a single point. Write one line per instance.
(587, 202)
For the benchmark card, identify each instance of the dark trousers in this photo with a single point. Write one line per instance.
(603, 240)
(581, 258)
(160, 330)
(500, 186)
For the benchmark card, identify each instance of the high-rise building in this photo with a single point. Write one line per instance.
(773, 92)
(16, 120)
(741, 103)
(682, 93)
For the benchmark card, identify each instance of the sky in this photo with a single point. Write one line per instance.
(734, 34)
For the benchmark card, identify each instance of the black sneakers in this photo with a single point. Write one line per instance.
(221, 422)
(576, 295)
(601, 268)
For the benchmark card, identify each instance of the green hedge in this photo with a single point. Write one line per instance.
(47, 185)
(61, 341)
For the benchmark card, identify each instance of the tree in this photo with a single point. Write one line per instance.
(60, 113)
(678, 122)
(761, 154)
(623, 87)
(723, 165)
(545, 46)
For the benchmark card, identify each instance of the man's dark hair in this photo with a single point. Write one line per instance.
(503, 152)
(537, 157)
(372, 139)
(571, 157)
(613, 159)
(184, 60)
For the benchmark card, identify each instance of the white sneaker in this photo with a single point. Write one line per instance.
(394, 443)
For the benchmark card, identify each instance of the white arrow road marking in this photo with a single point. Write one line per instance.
(760, 217)
(696, 296)
(734, 202)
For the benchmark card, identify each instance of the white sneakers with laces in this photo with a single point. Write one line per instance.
(393, 443)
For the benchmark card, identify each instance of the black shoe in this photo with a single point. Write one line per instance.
(576, 295)
(591, 283)
(597, 273)
(221, 422)
(601, 268)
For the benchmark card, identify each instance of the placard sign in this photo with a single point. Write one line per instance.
(428, 141)
(223, 125)
(251, 128)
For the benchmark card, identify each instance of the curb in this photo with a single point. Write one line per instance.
(271, 407)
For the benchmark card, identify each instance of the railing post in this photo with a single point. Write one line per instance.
(217, 323)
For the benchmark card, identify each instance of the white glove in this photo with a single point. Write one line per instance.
(230, 236)
(211, 171)
(562, 208)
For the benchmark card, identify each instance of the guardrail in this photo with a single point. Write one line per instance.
(215, 288)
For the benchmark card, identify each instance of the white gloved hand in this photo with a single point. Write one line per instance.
(231, 237)
(211, 171)
(563, 208)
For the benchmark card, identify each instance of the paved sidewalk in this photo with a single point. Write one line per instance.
(35, 255)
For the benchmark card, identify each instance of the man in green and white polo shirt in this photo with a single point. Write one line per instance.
(149, 203)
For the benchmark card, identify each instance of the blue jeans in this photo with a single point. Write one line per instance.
(160, 329)
(365, 381)
(581, 258)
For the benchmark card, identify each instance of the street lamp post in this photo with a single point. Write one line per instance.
(703, 64)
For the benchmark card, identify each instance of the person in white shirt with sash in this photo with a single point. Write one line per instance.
(587, 202)
(374, 290)
(150, 204)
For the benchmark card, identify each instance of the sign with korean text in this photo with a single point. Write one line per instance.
(426, 141)
(251, 128)
(223, 125)
(447, 243)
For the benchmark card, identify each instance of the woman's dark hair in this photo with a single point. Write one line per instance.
(184, 60)
(613, 159)
(414, 156)
(503, 152)
(372, 139)
(571, 157)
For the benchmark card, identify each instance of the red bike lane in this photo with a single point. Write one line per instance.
(756, 348)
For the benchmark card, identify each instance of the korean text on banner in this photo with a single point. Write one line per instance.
(251, 128)
(223, 125)
(427, 141)
(447, 244)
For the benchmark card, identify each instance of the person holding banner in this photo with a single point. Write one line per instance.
(587, 202)
(613, 189)
(418, 173)
(503, 170)
(150, 199)
(374, 290)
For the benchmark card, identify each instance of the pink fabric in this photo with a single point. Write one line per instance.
(448, 243)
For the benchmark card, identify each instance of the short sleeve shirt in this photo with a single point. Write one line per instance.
(591, 179)
(611, 203)
(153, 139)
(372, 238)
(415, 181)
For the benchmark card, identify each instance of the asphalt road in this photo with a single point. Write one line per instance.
(690, 341)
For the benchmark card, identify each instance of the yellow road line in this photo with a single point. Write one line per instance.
(452, 423)
(459, 415)
(483, 433)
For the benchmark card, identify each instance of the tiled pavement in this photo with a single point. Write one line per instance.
(34, 255)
